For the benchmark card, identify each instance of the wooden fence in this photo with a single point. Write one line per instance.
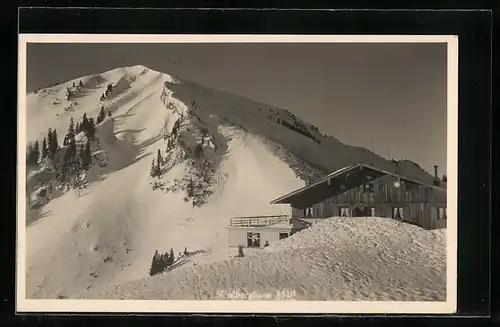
(257, 221)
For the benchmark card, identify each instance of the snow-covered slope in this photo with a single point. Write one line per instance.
(224, 156)
(338, 259)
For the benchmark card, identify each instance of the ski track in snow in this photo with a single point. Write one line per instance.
(107, 235)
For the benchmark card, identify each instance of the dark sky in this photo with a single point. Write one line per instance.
(390, 98)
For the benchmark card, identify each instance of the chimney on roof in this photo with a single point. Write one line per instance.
(436, 172)
(396, 167)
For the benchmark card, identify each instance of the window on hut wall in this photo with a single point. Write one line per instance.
(283, 235)
(344, 212)
(253, 240)
(397, 213)
(368, 191)
(441, 213)
(369, 188)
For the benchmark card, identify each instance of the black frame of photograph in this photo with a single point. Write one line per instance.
(474, 30)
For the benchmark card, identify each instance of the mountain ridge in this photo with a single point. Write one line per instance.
(141, 69)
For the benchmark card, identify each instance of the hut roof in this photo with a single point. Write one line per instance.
(341, 181)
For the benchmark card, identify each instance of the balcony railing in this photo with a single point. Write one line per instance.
(259, 221)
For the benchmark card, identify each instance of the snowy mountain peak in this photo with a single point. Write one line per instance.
(278, 126)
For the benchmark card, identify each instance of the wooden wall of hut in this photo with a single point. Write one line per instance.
(420, 203)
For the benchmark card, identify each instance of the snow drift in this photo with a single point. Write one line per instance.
(339, 259)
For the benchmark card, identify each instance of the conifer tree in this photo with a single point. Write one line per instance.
(84, 126)
(77, 128)
(190, 189)
(171, 257)
(91, 128)
(109, 113)
(50, 147)
(164, 262)
(153, 270)
(152, 173)
(160, 263)
(72, 147)
(102, 114)
(66, 161)
(70, 137)
(55, 143)
(71, 128)
(87, 155)
(160, 158)
(157, 169)
(81, 84)
(36, 153)
(44, 148)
